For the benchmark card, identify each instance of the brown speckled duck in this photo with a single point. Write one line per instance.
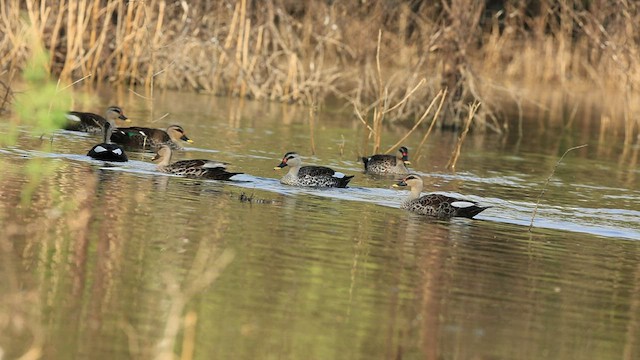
(435, 205)
(94, 123)
(203, 169)
(312, 176)
(382, 164)
(150, 138)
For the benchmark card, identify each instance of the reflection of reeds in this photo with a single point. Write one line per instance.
(473, 108)
(207, 267)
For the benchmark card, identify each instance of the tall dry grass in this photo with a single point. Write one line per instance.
(505, 54)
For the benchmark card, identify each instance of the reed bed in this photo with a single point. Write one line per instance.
(506, 55)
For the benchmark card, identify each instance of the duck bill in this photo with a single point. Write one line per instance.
(400, 183)
(405, 158)
(279, 167)
(124, 118)
(155, 157)
(185, 138)
(406, 162)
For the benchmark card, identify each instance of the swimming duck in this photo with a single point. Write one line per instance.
(150, 138)
(383, 164)
(435, 205)
(206, 169)
(93, 123)
(314, 176)
(106, 150)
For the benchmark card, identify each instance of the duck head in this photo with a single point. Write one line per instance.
(289, 159)
(115, 112)
(404, 155)
(411, 180)
(176, 132)
(163, 156)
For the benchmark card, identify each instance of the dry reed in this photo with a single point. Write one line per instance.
(473, 108)
(544, 188)
(292, 52)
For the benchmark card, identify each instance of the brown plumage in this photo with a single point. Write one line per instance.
(94, 123)
(198, 168)
(312, 176)
(382, 164)
(150, 138)
(435, 205)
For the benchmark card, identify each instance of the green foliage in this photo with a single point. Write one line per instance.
(40, 108)
(42, 105)
(36, 170)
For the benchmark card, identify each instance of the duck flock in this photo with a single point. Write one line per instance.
(164, 142)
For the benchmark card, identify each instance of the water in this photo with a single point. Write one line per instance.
(119, 261)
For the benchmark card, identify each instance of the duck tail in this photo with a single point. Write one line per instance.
(471, 211)
(228, 175)
(344, 181)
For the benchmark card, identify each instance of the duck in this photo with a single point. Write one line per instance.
(150, 138)
(435, 205)
(310, 176)
(94, 123)
(106, 150)
(198, 168)
(383, 164)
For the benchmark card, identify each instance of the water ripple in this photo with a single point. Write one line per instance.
(609, 222)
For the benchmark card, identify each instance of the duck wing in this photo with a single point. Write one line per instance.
(84, 121)
(139, 136)
(445, 206)
(199, 168)
(316, 171)
(379, 162)
(199, 164)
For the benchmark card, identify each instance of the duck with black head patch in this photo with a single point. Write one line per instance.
(383, 164)
(435, 205)
(106, 150)
(94, 123)
(310, 176)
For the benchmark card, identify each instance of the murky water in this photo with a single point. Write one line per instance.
(119, 261)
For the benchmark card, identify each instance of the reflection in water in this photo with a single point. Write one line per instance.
(124, 262)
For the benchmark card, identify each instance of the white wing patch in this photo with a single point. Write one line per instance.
(338, 175)
(462, 204)
(73, 117)
(99, 149)
(117, 151)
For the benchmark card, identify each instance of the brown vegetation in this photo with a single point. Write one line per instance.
(506, 54)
